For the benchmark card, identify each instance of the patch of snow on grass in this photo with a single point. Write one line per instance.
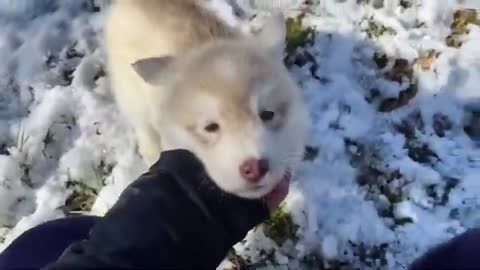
(393, 164)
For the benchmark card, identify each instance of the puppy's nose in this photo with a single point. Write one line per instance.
(253, 170)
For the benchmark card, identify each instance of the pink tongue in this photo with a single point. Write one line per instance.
(276, 196)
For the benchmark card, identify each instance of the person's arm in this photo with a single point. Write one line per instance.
(460, 252)
(172, 217)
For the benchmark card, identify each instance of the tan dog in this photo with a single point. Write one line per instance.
(184, 79)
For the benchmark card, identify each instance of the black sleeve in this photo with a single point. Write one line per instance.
(172, 217)
(460, 252)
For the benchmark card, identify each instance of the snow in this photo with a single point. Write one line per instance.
(386, 185)
(58, 121)
(330, 247)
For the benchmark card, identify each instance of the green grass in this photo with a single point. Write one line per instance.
(82, 198)
(376, 29)
(84, 192)
(280, 227)
(297, 34)
(406, 3)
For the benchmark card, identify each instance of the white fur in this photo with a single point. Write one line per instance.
(174, 71)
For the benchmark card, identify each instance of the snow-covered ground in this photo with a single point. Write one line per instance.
(394, 156)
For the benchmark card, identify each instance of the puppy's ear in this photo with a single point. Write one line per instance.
(155, 70)
(273, 34)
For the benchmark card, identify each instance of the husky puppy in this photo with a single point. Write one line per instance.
(184, 79)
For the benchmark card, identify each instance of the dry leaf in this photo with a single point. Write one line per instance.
(425, 61)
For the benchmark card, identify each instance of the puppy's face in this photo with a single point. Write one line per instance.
(240, 113)
(234, 106)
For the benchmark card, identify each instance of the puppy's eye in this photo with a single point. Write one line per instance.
(266, 116)
(212, 127)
